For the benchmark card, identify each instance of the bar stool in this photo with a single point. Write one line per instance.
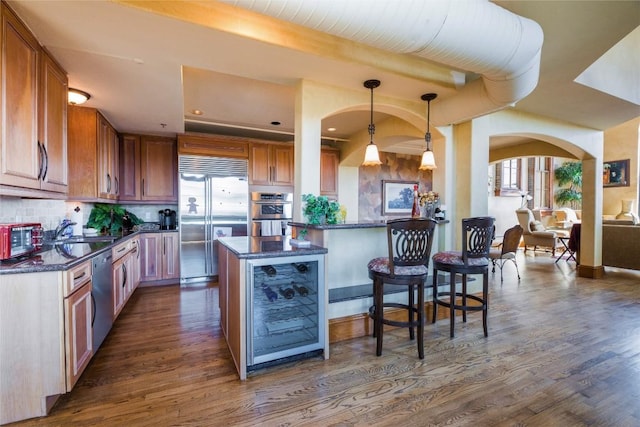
(409, 246)
(477, 234)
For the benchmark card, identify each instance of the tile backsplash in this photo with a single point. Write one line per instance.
(51, 212)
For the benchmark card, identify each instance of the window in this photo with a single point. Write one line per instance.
(511, 174)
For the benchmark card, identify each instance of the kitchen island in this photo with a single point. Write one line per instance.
(272, 300)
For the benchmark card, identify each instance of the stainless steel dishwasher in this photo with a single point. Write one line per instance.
(102, 292)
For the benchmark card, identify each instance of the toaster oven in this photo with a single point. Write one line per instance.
(20, 239)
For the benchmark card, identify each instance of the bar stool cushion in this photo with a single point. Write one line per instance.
(455, 258)
(381, 265)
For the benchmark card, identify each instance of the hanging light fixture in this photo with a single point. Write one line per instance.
(371, 156)
(428, 161)
(77, 96)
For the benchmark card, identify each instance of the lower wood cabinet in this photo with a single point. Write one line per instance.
(125, 269)
(78, 314)
(160, 258)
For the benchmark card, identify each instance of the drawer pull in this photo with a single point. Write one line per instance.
(80, 276)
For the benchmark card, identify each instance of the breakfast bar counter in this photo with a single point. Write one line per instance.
(351, 246)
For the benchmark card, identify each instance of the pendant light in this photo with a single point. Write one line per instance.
(428, 161)
(371, 156)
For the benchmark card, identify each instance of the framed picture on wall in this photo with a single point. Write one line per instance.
(615, 173)
(397, 197)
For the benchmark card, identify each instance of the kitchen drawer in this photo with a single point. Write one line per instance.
(121, 249)
(76, 277)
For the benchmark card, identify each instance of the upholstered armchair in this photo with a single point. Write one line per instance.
(535, 234)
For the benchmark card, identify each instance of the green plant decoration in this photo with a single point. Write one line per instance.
(320, 210)
(108, 218)
(569, 173)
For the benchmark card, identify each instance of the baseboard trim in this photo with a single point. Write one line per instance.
(590, 272)
(361, 325)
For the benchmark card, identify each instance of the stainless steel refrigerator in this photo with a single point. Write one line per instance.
(214, 202)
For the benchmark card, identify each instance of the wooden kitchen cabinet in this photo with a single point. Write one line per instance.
(160, 257)
(271, 164)
(125, 269)
(158, 169)
(213, 145)
(93, 151)
(33, 119)
(329, 161)
(108, 160)
(78, 312)
(148, 169)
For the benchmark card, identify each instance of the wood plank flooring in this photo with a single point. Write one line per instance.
(562, 351)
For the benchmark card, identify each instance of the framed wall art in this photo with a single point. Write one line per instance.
(615, 173)
(397, 197)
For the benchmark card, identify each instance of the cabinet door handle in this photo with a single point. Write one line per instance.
(41, 155)
(108, 183)
(46, 162)
(124, 271)
(117, 185)
(143, 186)
(93, 306)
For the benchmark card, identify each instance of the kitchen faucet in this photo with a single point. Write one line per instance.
(62, 227)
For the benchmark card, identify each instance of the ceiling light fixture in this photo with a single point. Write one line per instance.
(77, 96)
(371, 156)
(428, 161)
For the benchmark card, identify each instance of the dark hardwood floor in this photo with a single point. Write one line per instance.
(562, 351)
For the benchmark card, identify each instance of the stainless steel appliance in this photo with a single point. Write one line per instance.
(270, 213)
(20, 239)
(167, 219)
(285, 309)
(214, 202)
(102, 294)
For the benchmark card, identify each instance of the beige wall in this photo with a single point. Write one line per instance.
(621, 142)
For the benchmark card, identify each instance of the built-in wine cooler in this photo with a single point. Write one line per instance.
(285, 308)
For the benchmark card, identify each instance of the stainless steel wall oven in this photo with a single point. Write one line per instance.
(270, 213)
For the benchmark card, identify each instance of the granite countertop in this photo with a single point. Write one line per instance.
(351, 224)
(266, 247)
(63, 256)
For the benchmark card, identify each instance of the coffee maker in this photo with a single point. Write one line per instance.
(167, 219)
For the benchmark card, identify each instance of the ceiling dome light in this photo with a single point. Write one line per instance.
(371, 155)
(428, 161)
(77, 96)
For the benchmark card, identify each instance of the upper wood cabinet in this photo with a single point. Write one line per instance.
(93, 156)
(53, 125)
(213, 145)
(108, 160)
(329, 161)
(148, 169)
(33, 119)
(271, 164)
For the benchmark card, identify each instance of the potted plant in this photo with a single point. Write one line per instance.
(107, 219)
(569, 173)
(320, 210)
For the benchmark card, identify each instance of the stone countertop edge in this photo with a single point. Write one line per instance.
(61, 263)
(242, 247)
(351, 224)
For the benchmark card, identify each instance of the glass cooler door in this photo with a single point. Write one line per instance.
(285, 307)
